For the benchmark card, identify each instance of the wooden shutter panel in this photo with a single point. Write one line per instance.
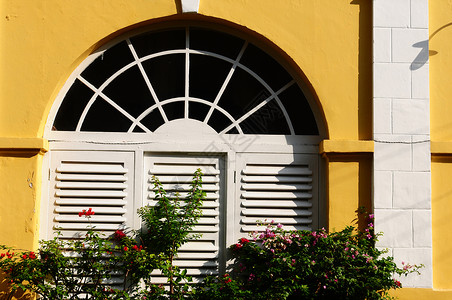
(279, 188)
(200, 257)
(99, 180)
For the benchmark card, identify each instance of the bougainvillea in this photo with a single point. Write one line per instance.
(283, 264)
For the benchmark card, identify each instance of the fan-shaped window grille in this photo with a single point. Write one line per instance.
(145, 81)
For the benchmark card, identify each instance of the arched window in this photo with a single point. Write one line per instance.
(168, 101)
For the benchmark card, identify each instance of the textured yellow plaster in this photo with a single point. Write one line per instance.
(349, 188)
(20, 183)
(440, 49)
(338, 146)
(442, 222)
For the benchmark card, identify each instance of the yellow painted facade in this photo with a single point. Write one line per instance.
(328, 42)
(440, 48)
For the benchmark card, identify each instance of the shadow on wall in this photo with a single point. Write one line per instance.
(364, 69)
(5, 292)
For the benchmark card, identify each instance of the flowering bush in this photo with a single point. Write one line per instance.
(70, 269)
(168, 226)
(100, 267)
(281, 264)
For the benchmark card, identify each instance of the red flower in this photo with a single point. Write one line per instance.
(397, 283)
(125, 248)
(228, 280)
(2, 255)
(135, 247)
(32, 255)
(238, 246)
(243, 241)
(85, 212)
(24, 256)
(119, 235)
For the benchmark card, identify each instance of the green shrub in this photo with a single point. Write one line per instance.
(281, 264)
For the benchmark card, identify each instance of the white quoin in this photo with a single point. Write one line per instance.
(189, 6)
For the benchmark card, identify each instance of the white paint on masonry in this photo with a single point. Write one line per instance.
(190, 6)
(402, 179)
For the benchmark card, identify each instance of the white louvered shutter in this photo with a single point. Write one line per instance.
(200, 257)
(276, 187)
(100, 180)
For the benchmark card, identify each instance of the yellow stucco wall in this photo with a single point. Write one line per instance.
(441, 222)
(440, 47)
(20, 193)
(440, 34)
(349, 189)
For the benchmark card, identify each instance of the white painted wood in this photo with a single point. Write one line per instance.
(74, 188)
(178, 171)
(289, 202)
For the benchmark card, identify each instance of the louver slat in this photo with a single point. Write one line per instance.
(278, 193)
(100, 183)
(198, 257)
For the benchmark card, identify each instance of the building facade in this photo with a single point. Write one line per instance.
(347, 100)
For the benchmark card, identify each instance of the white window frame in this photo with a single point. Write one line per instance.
(196, 139)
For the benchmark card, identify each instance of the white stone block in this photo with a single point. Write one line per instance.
(396, 226)
(190, 6)
(392, 80)
(419, 13)
(420, 81)
(416, 256)
(382, 115)
(409, 45)
(392, 156)
(411, 190)
(382, 189)
(382, 45)
(422, 228)
(410, 116)
(421, 153)
(393, 138)
(391, 13)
